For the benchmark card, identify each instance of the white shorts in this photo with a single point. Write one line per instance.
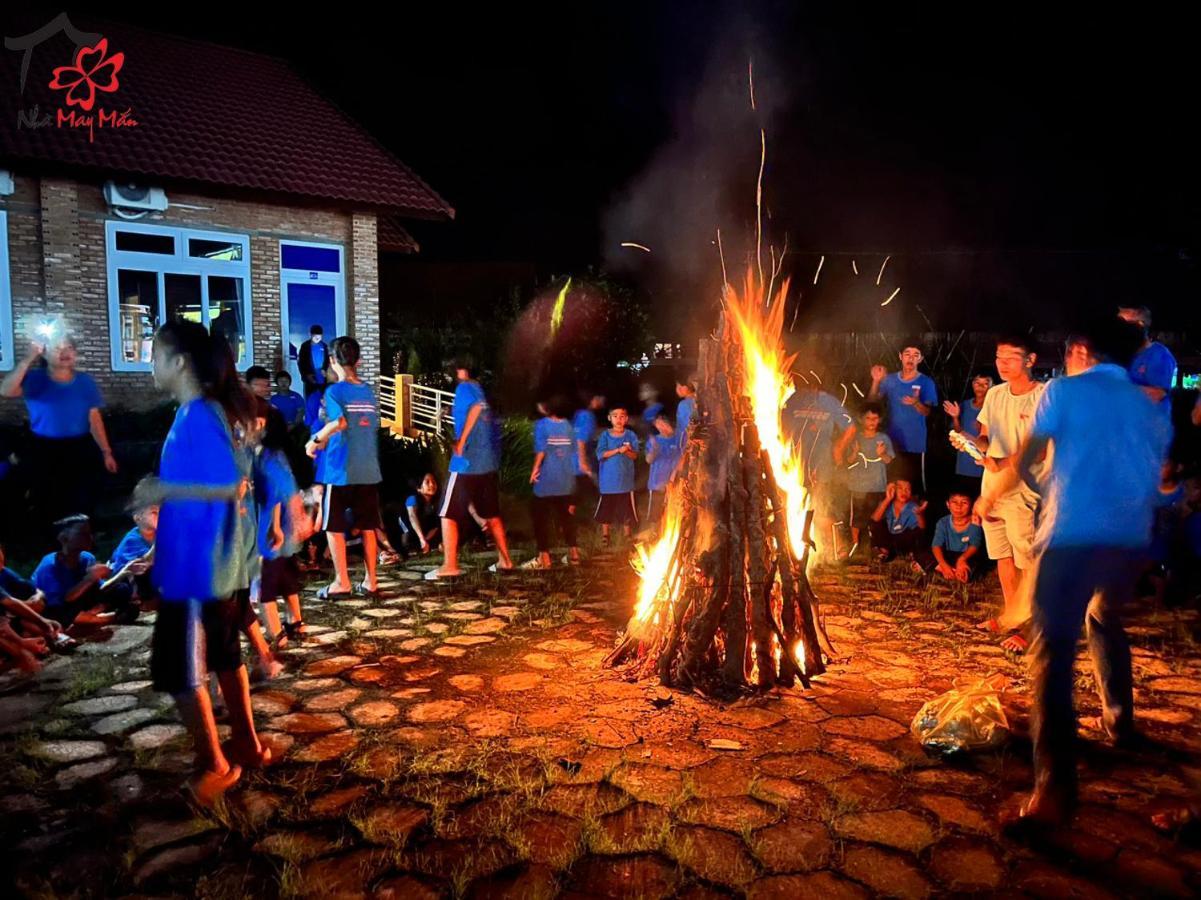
(1009, 528)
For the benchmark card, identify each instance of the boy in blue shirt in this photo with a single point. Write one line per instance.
(553, 478)
(898, 522)
(866, 459)
(686, 408)
(473, 483)
(70, 577)
(957, 543)
(910, 396)
(349, 443)
(1154, 367)
(130, 585)
(663, 455)
(585, 424)
(616, 450)
(289, 403)
(964, 420)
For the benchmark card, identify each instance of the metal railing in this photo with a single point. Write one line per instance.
(431, 409)
(387, 400)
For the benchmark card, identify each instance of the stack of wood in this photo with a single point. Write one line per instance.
(735, 608)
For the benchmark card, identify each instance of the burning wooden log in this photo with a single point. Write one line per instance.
(725, 600)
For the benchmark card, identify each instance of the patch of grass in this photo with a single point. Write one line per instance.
(88, 675)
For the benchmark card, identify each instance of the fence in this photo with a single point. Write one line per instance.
(407, 407)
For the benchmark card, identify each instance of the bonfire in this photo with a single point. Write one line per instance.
(724, 599)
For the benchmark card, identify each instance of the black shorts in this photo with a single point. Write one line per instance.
(862, 507)
(617, 509)
(280, 578)
(192, 638)
(347, 507)
(481, 492)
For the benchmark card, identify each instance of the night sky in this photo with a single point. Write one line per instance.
(1017, 167)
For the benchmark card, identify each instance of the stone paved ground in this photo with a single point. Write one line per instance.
(465, 740)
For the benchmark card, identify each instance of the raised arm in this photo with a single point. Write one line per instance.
(11, 385)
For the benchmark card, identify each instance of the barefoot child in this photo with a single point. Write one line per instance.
(898, 522)
(70, 578)
(957, 541)
(616, 450)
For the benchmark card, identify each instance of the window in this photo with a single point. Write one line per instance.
(6, 299)
(156, 274)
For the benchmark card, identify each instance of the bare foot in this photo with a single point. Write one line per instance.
(207, 787)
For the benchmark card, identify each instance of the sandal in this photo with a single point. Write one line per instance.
(326, 594)
(1015, 644)
(296, 629)
(361, 590)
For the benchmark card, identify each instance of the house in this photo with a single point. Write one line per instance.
(145, 176)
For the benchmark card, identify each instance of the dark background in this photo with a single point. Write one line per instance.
(1018, 166)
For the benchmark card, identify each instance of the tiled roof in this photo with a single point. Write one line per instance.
(208, 115)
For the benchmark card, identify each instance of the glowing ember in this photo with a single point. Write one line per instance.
(890, 297)
(882, 265)
(759, 322)
(635, 246)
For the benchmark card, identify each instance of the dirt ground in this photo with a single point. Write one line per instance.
(465, 740)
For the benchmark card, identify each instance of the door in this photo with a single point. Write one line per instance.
(312, 293)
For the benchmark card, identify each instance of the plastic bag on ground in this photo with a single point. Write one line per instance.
(967, 717)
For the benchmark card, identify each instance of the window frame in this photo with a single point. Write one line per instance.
(8, 343)
(179, 263)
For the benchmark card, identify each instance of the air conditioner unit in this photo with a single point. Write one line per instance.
(131, 201)
(6, 183)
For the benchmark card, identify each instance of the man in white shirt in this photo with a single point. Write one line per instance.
(1099, 493)
(1004, 421)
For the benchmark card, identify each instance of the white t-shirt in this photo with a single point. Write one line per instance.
(1102, 485)
(1007, 416)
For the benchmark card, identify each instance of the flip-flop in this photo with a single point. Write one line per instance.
(326, 594)
(432, 575)
(362, 590)
(1015, 644)
(497, 569)
(992, 626)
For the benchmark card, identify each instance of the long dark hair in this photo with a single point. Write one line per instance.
(211, 360)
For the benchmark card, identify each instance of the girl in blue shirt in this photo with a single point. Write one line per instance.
(203, 549)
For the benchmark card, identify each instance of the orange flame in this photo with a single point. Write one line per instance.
(759, 322)
(658, 568)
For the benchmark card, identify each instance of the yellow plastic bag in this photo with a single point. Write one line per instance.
(967, 717)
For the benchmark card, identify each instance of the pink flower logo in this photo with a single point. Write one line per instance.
(93, 71)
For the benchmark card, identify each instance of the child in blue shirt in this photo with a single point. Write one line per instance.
(290, 404)
(866, 457)
(910, 396)
(955, 550)
(70, 577)
(686, 408)
(553, 478)
(898, 522)
(130, 585)
(616, 450)
(663, 454)
(964, 418)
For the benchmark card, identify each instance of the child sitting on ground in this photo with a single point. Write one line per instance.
(129, 588)
(70, 577)
(23, 603)
(616, 450)
(866, 457)
(663, 453)
(955, 550)
(420, 526)
(898, 522)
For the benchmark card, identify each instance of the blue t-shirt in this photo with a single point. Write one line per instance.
(906, 521)
(583, 423)
(203, 546)
(15, 586)
(948, 537)
(352, 455)
(907, 426)
(480, 454)
(54, 578)
(616, 472)
(427, 512)
(556, 439)
(684, 414)
(964, 464)
(132, 546)
(1155, 366)
(811, 417)
(1107, 444)
(274, 486)
(651, 413)
(59, 409)
(318, 354)
(312, 411)
(867, 472)
(666, 452)
(290, 405)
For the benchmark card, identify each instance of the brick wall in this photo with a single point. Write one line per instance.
(57, 258)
